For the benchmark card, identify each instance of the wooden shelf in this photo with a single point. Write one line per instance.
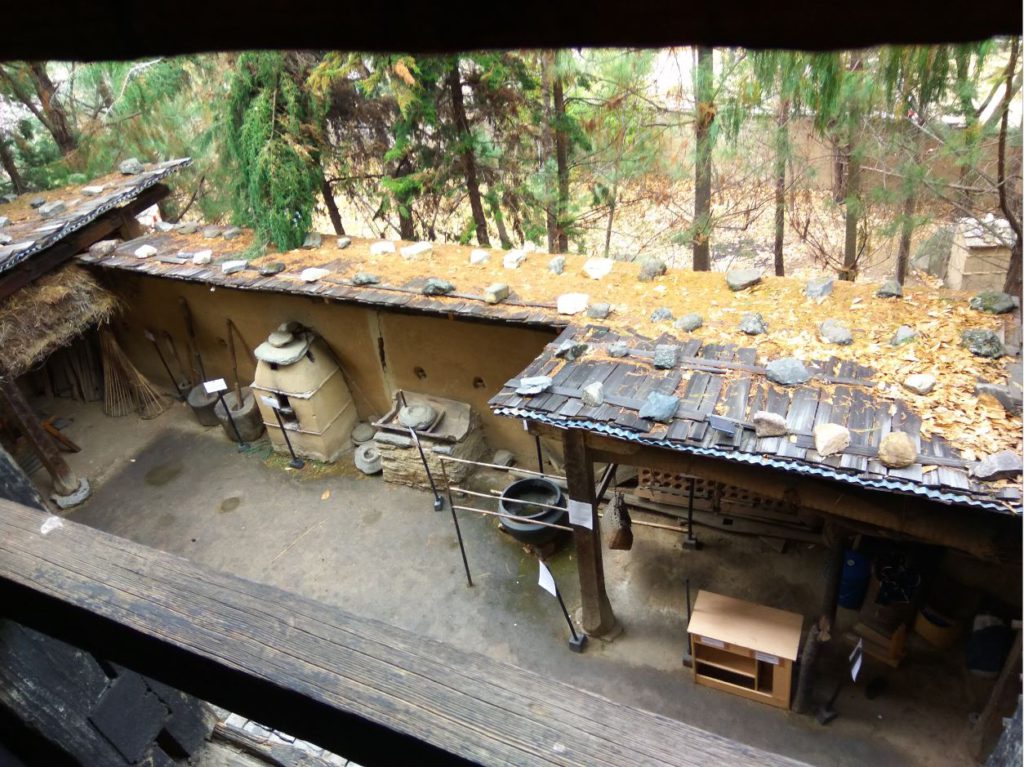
(743, 648)
(725, 660)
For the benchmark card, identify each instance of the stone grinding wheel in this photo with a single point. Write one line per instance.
(418, 416)
(363, 432)
(368, 459)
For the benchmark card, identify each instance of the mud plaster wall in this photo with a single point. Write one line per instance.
(380, 351)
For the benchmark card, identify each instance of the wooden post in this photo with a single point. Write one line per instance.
(805, 682)
(598, 619)
(821, 631)
(833, 575)
(986, 730)
(64, 480)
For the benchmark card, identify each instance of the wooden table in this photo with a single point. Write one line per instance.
(744, 648)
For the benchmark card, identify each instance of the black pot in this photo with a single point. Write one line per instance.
(516, 499)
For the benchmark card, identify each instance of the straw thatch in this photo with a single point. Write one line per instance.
(48, 314)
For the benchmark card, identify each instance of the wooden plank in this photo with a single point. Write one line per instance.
(777, 400)
(736, 400)
(802, 408)
(838, 411)
(375, 693)
(746, 624)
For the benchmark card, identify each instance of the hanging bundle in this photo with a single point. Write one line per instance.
(620, 524)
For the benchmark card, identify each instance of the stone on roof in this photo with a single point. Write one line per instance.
(741, 279)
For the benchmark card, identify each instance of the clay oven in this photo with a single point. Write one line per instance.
(297, 370)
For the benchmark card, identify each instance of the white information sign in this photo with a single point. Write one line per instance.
(581, 514)
(546, 580)
(270, 401)
(216, 385)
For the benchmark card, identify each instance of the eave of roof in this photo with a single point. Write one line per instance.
(720, 388)
(792, 466)
(30, 233)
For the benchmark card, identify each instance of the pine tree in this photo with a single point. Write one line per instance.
(273, 143)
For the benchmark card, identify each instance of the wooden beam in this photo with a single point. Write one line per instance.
(116, 220)
(598, 618)
(363, 689)
(1004, 698)
(64, 480)
(985, 535)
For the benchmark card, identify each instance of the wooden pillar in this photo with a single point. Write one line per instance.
(1006, 692)
(598, 619)
(64, 480)
(804, 683)
(833, 575)
(821, 631)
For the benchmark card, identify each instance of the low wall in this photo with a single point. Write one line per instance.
(381, 351)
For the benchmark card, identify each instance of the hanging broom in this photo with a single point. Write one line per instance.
(125, 389)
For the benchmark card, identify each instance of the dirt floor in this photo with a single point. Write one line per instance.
(379, 550)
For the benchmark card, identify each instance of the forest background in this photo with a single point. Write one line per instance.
(857, 163)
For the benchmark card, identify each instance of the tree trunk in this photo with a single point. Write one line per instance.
(10, 168)
(547, 144)
(56, 118)
(611, 219)
(405, 226)
(909, 209)
(468, 161)
(781, 154)
(839, 162)
(850, 254)
(906, 236)
(499, 219)
(1013, 274)
(561, 158)
(853, 196)
(702, 167)
(331, 205)
(614, 198)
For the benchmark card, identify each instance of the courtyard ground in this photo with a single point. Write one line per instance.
(379, 550)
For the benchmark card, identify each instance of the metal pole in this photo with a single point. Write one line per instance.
(565, 612)
(455, 521)
(241, 443)
(438, 500)
(296, 462)
(540, 455)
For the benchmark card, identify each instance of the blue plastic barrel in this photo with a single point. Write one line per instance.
(853, 583)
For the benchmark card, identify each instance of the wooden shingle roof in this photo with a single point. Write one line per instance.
(720, 387)
(30, 232)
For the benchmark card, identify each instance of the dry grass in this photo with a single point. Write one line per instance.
(48, 314)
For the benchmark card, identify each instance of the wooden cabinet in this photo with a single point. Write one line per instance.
(744, 648)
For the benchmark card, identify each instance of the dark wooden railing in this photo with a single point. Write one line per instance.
(368, 691)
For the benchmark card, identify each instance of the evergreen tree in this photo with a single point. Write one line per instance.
(273, 140)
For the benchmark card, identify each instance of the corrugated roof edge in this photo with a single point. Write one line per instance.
(793, 467)
(164, 169)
